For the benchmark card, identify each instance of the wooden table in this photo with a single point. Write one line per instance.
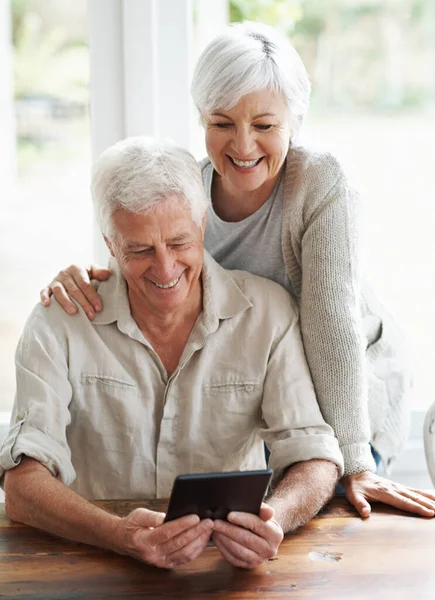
(335, 556)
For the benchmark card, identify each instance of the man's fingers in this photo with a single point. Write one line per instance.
(186, 537)
(266, 512)
(190, 551)
(244, 537)
(237, 554)
(170, 530)
(233, 560)
(142, 517)
(268, 530)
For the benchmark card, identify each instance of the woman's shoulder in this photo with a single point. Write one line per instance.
(313, 166)
(313, 178)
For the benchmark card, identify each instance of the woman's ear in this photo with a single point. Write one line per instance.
(109, 245)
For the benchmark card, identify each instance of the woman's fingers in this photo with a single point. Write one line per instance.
(45, 294)
(403, 502)
(364, 487)
(74, 283)
(77, 282)
(359, 503)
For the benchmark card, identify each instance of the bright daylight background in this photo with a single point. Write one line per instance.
(372, 65)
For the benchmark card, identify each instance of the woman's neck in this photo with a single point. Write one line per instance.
(233, 205)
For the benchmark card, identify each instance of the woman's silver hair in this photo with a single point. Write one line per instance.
(139, 172)
(246, 58)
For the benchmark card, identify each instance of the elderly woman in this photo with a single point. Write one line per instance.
(283, 212)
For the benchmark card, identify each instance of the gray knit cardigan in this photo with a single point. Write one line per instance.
(355, 352)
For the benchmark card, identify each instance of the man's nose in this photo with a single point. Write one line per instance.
(244, 142)
(164, 265)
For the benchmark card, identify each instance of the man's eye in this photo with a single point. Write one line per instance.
(263, 127)
(180, 245)
(144, 251)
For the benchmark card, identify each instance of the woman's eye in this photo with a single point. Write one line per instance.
(263, 127)
(222, 125)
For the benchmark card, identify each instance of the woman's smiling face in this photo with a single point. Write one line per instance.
(248, 143)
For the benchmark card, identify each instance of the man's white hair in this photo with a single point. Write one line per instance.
(246, 58)
(137, 173)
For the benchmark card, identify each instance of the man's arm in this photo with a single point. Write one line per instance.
(247, 540)
(36, 498)
(302, 492)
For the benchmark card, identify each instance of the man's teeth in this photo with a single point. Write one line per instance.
(245, 163)
(165, 286)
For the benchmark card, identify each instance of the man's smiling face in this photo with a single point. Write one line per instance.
(160, 254)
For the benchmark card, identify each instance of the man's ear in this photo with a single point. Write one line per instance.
(109, 245)
(203, 223)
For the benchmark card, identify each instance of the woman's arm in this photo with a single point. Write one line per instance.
(75, 282)
(335, 347)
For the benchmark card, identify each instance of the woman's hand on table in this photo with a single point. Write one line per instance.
(146, 537)
(75, 282)
(247, 540)
(361, 488)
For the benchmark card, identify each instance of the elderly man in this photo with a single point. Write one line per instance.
(188, 369)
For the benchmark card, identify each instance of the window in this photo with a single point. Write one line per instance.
(46, 220)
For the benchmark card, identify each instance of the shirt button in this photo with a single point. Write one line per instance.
(92, 379)
(21, 415)
(249, 387)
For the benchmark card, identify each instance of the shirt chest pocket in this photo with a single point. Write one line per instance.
(234, 398)
(106, 411)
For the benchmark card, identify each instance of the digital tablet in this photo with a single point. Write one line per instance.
(214, 495)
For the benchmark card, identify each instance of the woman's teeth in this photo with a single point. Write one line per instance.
(165, 286)
(245, 164)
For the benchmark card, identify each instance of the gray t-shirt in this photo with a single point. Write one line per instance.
(253, 244)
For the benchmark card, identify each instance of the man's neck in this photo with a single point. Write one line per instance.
(167, 332)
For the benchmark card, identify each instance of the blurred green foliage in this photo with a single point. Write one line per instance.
(359, 53)
(48, 57)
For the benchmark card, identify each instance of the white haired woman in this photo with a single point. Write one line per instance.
(283, 212)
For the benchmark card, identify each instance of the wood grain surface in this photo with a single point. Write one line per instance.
(335, 556)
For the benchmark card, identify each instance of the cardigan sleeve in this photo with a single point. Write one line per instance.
(331, 320)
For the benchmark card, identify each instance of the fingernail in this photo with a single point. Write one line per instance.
(97, 307)
(90, 314)
(71, 310)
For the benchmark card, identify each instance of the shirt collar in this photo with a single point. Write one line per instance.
(222, 298)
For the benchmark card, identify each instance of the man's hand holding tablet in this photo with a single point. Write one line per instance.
(148, 538)
(244, 530)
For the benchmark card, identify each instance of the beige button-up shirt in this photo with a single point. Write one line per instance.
(95, 405)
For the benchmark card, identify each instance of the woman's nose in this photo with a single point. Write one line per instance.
(244, 143)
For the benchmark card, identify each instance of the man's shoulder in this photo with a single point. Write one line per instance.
(265, 295)
(53, 318)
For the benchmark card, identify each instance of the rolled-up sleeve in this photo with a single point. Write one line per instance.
(294, 428)
(40, 414)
